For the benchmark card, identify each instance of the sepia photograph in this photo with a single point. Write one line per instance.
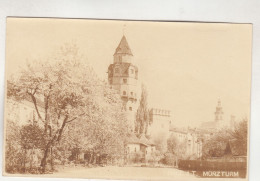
(132, 100)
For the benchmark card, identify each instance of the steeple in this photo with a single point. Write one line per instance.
(219, 103)
(123, 48)
(219, 113)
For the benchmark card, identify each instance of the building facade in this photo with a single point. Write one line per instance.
(160, 125)
(190, 140)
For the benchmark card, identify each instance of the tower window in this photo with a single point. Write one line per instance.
(116, 70)
(125, 81)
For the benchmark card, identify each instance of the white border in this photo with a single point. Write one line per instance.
(238, 11)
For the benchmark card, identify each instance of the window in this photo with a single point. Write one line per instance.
(130, 108)
(125, 81)
(132, 71)
(135, 149)
(132, 93)
(124, 93)
(116, 70)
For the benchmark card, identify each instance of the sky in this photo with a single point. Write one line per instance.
(186, 67)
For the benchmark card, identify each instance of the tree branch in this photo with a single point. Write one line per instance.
(62, 127)
(46, 106)
(35, 106)
(75, 118)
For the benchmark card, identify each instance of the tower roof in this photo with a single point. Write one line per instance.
(123, 47)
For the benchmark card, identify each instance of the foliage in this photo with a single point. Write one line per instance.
(32, 136)
(142, 116)
(172, 144)
(155, 157)
(137, 157)
(240, 136)
(176, 148)
(160, 142)
(168, 159)
(65, 92)
(13, 153)
(217, 145)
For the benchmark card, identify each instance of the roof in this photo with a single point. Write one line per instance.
(142, 140)
(132, 138)
(178, 130)
(123, 47)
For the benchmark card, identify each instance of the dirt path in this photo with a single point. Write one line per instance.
(123, 173)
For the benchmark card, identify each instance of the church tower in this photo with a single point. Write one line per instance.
(123, 77)
(219, 113)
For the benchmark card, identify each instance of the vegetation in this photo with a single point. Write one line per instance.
(142, 116)
(175, 150)
(223, 141)
(68, 99)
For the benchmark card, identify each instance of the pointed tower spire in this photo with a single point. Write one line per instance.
(123, 47)
(219, 113)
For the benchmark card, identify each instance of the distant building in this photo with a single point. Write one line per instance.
(23, 111)
(160, 125)
(219, 121)
(191, 139)
(139, 147)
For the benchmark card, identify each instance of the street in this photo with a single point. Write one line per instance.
(115, 172)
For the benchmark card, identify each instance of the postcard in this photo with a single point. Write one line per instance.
(141, 100)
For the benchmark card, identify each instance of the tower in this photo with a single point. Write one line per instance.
(123, 77)
(219, 113)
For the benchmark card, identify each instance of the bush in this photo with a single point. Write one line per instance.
(169, 159)
(211, 165)
(137, 156)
